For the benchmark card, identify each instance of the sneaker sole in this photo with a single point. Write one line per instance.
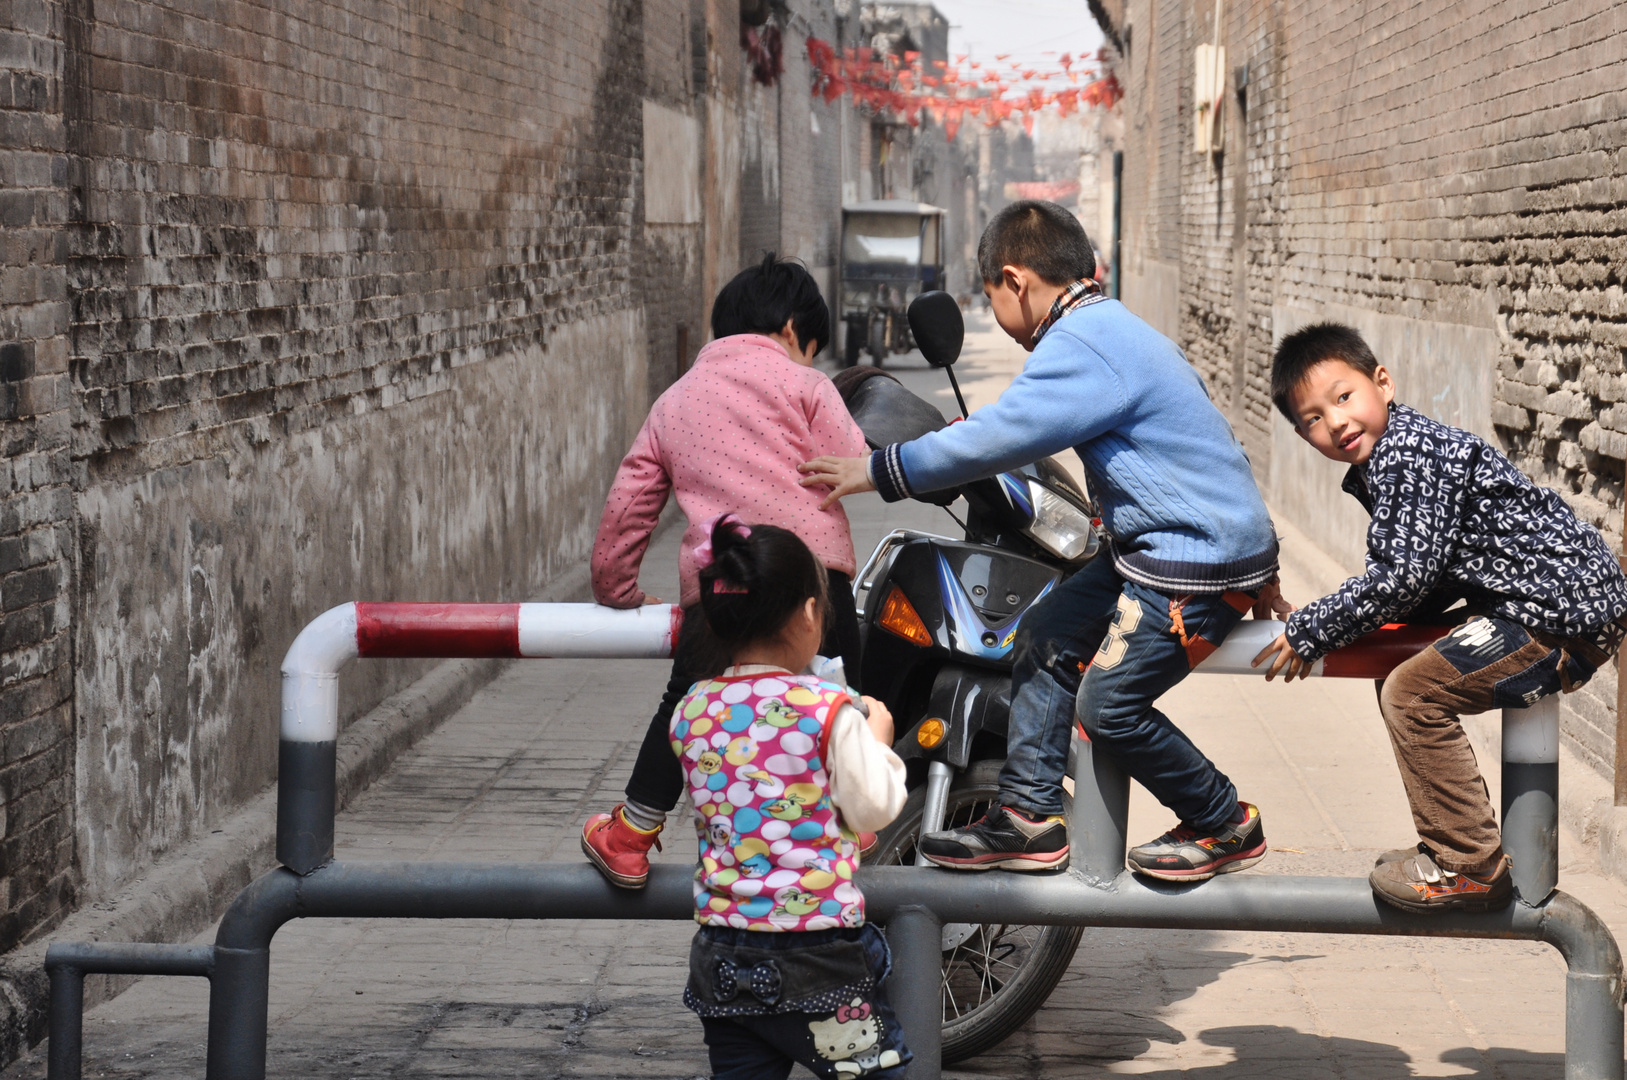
(623, 880)
(1424, 907)
(1052, 861)
(1231, 864)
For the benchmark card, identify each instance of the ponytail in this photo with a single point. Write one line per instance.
(754, 578)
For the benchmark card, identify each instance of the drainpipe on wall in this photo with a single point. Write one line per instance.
(1621, 698)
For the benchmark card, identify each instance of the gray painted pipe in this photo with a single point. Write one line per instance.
(66, 1026)
(1098, 826)
(915, 936)
(1531, 797)
(67, 964)
(237, 1021)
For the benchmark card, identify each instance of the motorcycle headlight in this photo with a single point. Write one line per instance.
(1059, 526)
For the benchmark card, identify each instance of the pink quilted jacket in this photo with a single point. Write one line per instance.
(729, 435)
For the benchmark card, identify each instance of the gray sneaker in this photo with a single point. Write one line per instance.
(1002, 839)
(1397, 854)
(1182, 854)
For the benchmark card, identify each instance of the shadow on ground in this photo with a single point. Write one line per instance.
(1248, 1052)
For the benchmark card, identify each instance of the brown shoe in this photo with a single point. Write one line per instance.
(1397, 854)
(1415, 883)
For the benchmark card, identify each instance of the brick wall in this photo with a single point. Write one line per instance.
(1449, 179)
(791, 156)
(36, 498)
(304, 301)
(810, 152)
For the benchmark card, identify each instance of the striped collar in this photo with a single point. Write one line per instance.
(1075, 296)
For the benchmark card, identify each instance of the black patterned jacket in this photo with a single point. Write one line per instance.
(1451, 514)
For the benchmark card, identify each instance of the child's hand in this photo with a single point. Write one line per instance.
(881, 721)
(1284, 660)
(651, 600)
(843, 475)
(1271, 602)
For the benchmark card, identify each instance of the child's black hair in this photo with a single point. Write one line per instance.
(761, 298)
(756, 583)
(1038, 236)
(1305, 348)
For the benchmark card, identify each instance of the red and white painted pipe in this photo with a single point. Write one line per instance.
(1371, 657)
(308, 752)
(310, 671)
(310, 675)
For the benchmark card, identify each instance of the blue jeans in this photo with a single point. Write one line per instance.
(1110, 648)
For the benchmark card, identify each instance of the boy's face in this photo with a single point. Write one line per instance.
(1341, 411)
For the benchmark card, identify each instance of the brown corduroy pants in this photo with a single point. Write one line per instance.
(1422, 701)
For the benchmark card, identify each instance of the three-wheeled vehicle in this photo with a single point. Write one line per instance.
(892, 251)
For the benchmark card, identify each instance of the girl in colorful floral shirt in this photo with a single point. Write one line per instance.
(781, 769)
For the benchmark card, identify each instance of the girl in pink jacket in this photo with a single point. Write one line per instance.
(727, 437)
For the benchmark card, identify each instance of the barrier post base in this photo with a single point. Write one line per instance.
(915, 935)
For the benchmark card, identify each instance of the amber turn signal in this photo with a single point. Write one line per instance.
(930, 733)
(898, 616)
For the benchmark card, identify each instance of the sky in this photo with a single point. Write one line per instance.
(1037, 31)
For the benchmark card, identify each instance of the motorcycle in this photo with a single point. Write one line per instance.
(939, 618)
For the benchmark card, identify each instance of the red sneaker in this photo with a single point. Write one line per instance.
(619, 850)
(867, 844)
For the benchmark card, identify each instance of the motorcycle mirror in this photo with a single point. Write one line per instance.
(938, 328)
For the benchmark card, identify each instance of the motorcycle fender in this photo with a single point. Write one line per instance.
(968, 701)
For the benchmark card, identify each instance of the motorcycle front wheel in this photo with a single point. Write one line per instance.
(995, 976)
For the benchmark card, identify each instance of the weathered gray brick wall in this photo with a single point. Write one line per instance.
(303, 301)
(36, 498)
(668, 264)
(1451, 179)
(810, 160)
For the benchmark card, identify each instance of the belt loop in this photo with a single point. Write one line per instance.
(1566, 686)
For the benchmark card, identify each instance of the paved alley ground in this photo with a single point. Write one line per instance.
(512, 775)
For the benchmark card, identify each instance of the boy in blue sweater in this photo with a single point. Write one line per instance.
(1453, 520)
(1192, 550)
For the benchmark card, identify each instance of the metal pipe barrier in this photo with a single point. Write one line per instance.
(67, 964)
(913, 902)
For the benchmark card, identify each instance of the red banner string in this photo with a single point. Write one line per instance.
(884, 82)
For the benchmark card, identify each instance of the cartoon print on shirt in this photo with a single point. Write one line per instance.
(765, 785)
(777, 713)
(793, 901)
(784, 809)
(740, 751)
(768, 822)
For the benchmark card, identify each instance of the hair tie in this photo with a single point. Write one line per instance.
(703, 550)
(719, 586)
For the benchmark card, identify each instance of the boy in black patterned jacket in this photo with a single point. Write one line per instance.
(1452, 519)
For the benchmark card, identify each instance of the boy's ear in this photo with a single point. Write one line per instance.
(1014, 278)
(1385, 383)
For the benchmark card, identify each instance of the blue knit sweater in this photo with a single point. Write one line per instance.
(1177, 498)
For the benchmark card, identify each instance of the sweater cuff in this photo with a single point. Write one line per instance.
(886, 470)
(1304, 646)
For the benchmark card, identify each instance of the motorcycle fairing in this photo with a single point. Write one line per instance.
(968, 631)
